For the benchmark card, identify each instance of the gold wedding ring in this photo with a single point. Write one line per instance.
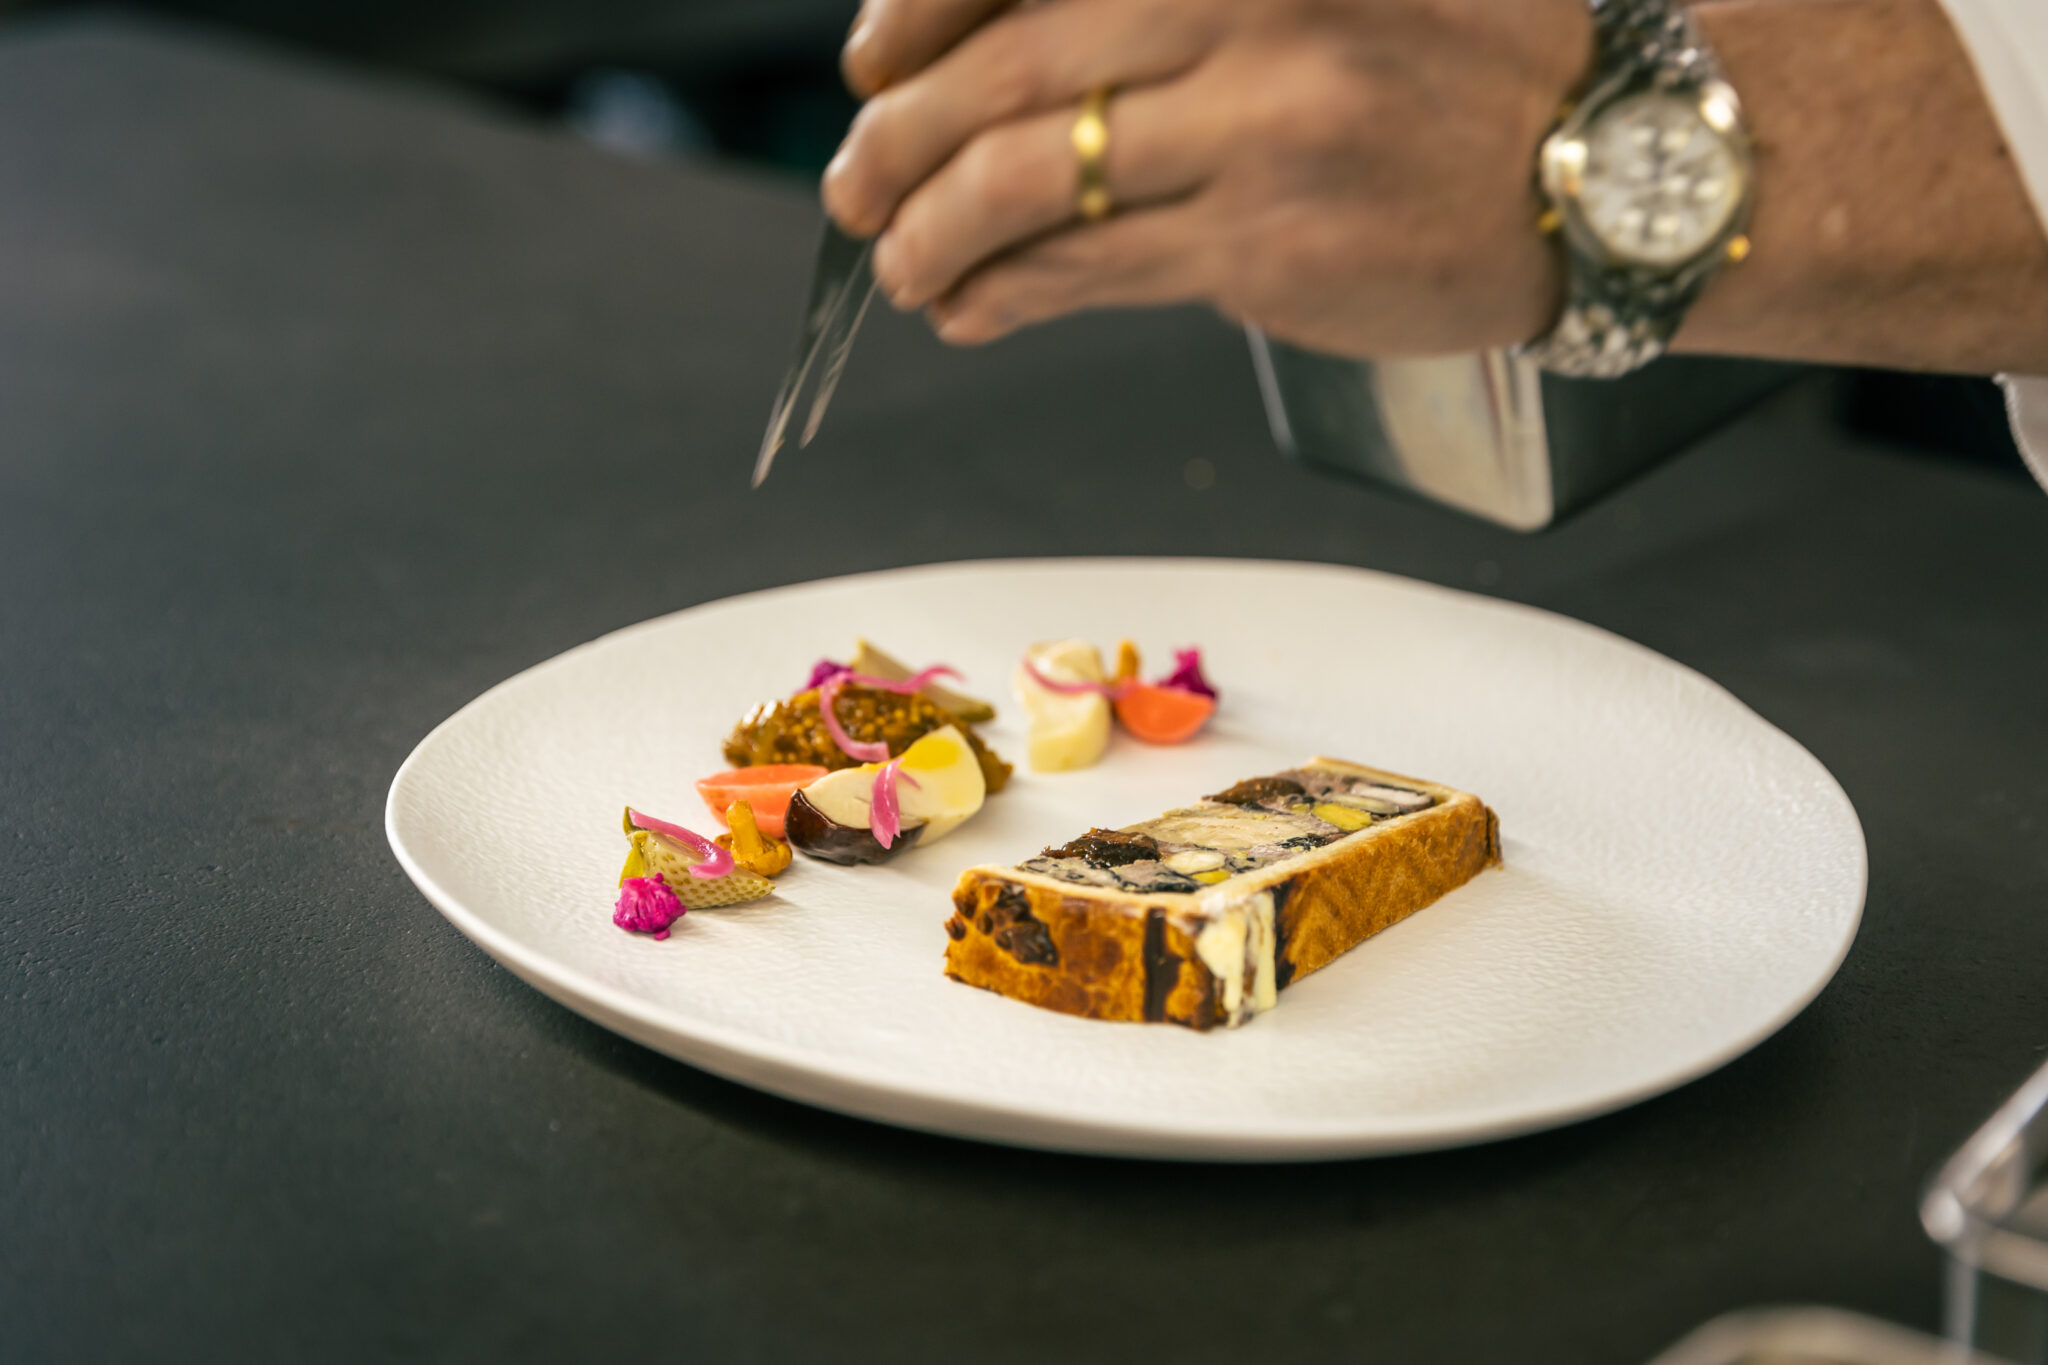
(1091, 148)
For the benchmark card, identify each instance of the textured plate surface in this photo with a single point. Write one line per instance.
(1681, 877)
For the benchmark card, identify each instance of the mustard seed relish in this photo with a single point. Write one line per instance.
(793, 731)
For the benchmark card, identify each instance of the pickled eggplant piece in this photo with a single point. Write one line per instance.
(816, 835)
(1256, 790)
(1108, 848)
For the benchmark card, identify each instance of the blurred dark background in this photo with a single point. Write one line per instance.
(756, 81)
(752, 79)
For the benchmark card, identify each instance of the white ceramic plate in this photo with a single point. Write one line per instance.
(1680, 880)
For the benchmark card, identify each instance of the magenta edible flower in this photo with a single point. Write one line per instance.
(646, 905)
(825, 671)
(1187, 674)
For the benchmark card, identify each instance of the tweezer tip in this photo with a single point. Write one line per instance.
(764, 462)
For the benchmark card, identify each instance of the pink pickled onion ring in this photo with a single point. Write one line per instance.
(825, 671)
(885, 817)
(1073, 689)
(1187, 674)
(717, 861)
(828, 697)
(917, 682)
(716, 865)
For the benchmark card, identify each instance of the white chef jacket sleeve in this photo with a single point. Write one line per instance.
(2008, 42)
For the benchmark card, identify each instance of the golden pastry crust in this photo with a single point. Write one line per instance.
(1115, 955)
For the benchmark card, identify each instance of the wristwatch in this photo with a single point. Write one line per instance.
(1649, 180)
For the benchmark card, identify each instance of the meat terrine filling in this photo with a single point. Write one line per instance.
(1252, 825)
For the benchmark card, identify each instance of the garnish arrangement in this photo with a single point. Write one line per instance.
(671, 870)
(1198, 917)
(864, 761)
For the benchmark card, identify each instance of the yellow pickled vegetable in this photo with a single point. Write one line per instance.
(750, 848)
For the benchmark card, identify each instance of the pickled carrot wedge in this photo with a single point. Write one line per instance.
(766, 788)
(1163, 715)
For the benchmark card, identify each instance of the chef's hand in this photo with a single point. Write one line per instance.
(1352, 175)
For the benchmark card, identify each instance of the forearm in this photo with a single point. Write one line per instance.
(1892, 227)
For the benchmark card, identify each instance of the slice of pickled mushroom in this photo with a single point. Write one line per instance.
(750, 848)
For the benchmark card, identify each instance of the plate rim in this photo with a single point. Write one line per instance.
(853, 1087)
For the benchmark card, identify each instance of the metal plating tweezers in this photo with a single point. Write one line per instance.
(842, 283)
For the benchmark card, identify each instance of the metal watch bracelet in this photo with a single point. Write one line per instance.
(1619, 318)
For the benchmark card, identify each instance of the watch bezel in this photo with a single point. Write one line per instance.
(1567, 150)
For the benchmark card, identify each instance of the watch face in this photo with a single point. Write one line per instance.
(1661, 184)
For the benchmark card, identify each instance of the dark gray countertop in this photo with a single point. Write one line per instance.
(325, 404)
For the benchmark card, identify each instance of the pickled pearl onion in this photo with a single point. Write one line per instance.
(828, 697)
(717, 861)
(1073, 689)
